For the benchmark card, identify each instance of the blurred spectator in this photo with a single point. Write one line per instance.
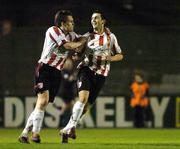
(67, 90)
(6, 61)
(140, 100)
(6, 28)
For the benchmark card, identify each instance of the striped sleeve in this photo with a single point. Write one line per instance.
(74, 36)
(115, 46)
(57, 36)
(86, 35)
(77, 35)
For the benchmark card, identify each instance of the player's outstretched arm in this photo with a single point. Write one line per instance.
(117, 57)
(81, 49)
(75, 45)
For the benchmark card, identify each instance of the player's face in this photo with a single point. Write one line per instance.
(69, 24)
(96, 21)
(138, 79)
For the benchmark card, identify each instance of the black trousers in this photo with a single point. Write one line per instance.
(139, 117)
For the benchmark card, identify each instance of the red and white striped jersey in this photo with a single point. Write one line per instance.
(98, 47)
(53, 52)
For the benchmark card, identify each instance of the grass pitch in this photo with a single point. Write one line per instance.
(98, 139)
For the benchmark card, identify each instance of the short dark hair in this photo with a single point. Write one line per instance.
(101, 13)
(139, 73)
(61, 16)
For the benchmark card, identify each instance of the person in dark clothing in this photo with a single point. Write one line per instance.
(68, 90)
(7, 61)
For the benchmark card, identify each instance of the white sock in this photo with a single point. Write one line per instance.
(37, 120)
(29, 124)
(76, 114)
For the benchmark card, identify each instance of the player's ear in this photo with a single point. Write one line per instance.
(62, 23)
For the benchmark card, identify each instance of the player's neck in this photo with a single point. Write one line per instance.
(99, 30)
(64, 30)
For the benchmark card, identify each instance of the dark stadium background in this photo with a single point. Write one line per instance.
(148, 33)
(147, 30)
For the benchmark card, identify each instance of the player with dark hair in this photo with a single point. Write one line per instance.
(57, 44)
(102, 48)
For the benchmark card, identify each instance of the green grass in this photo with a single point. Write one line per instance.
(98, 139)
